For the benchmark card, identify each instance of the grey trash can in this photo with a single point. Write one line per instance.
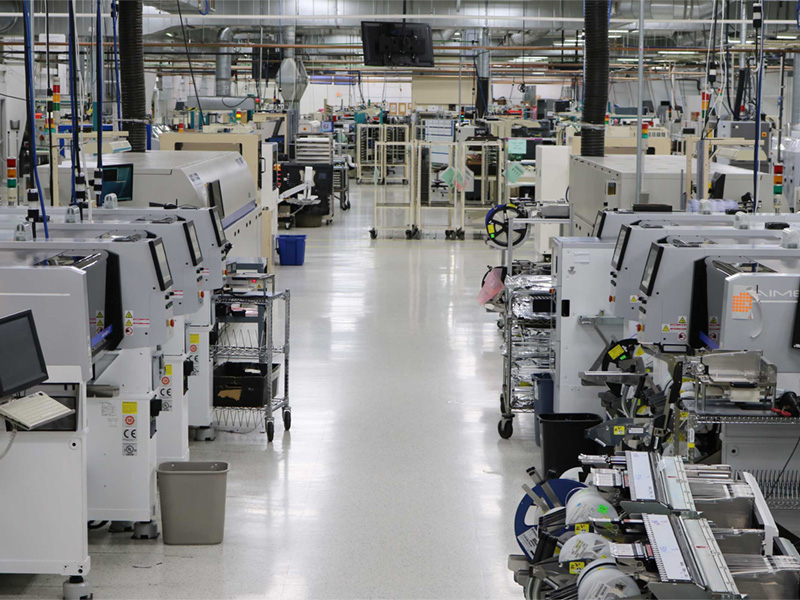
(192, 498)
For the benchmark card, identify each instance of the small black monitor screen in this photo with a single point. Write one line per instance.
(649, 273)
(599, 221)
(219, 231)
(162, 264)
(118, 180)
(21, 359)
(619, 249)
(194, 244)
(215, 197)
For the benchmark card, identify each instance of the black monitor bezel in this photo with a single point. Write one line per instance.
(164, 282)
(26, 314)
(647, 289)
(188, 229)
(617, 260)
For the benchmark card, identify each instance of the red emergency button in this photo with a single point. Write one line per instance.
(639, 327)
(611, 298)
(202, 294)
(172, 322)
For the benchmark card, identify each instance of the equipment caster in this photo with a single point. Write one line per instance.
(415, 233)
(358, 181)
(373, 233)
(120, 527)
(205, 434)
(505, 428)
(76, 588)
(460, 233)
(287, 419)
(287, 226)
(449, 234)
(145, 530)
(270, 431)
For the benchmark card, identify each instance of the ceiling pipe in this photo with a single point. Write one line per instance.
(224, 62)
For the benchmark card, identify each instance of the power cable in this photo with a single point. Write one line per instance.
(783, 470)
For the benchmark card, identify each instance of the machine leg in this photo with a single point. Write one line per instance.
(120, 527)
(205, 434)
(76, 588)
(145, 530)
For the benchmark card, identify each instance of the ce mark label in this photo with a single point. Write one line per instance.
(129, 434)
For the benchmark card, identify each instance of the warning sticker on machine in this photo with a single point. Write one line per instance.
(682, 324)
(129, 408)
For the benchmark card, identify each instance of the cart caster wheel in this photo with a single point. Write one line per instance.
(287, 420)
(120, 527)
(505, 428)
(418, 234)
(409, 234)
(373, 234)
(145, 530)
(347, 205)
(405, 181)
(270, 431)
(449, 234)
(358, 181)
(461, 234)
(500, 324)
(205, 434)
(76, 588)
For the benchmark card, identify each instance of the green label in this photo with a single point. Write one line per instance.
(602, 509)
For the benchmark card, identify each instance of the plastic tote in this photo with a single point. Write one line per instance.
(564, 438)
(193, 501)
(542, 401)
(292, 249)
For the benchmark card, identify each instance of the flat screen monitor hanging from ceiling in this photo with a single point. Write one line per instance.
(397, 44)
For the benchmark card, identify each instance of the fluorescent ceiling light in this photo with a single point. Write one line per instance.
(618, 31)
(527, 59)
(676, 52)
(628, 60)
(787, 37)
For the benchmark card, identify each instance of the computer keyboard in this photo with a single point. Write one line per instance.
(34, 410)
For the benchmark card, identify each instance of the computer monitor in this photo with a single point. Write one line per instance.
(397, 44)
(194, 243)
(22, 363)
(215, 197)
(159, 254)
(118, 179)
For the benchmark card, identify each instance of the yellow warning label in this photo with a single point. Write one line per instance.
(576, 566)
(128, 323)
(682, 320)
(99, 314)
(129, 408)
(691, 444)
(619, 429)
(490, 228)
(168, 370)
(581, 528)
(100, 322)
(639, 351)
(194, 338)
(129, 315)
(634, 299)
(665, 329)
(684, 415)
(616, 352)
(714, 320)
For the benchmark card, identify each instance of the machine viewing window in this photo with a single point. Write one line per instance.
(622, 245)
(215, 197)
(118, 179)
(651, 269)
(162, 264)
(22, 363)
(194, 243)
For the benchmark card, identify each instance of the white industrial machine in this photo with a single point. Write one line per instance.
(43, 462)
(610, 183)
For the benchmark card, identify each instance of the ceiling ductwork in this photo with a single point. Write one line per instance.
(224, 63)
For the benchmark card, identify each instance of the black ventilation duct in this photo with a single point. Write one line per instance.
(131, 60)
(595, 77)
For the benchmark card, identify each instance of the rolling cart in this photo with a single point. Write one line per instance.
(249, 355)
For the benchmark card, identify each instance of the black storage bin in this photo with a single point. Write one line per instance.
(244, 385)
(564, 438)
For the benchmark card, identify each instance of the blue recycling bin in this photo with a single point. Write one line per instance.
(542, 401)
(292, 249)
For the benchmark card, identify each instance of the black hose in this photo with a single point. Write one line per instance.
(131, 52)
(595, 77)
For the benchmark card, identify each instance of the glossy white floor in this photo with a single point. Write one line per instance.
(393, 482)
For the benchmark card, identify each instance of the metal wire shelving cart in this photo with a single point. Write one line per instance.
(236, 342)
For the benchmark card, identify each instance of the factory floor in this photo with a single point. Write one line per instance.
(393, 482)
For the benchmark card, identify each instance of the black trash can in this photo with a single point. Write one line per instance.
(564, 438)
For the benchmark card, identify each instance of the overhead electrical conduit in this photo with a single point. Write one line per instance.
(595, 78)
(224, 62)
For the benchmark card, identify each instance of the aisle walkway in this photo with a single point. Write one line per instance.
(393, 482)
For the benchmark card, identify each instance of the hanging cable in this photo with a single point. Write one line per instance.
(191, 68)
(116, 62)
(74, 101)
(52, 174)
(99, 68)
(27, 18)
(207, 10)
(758, 26)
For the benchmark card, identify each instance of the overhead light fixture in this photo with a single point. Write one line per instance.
(636, 60)
(618, 31)
(676, 52)
(786, 37)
